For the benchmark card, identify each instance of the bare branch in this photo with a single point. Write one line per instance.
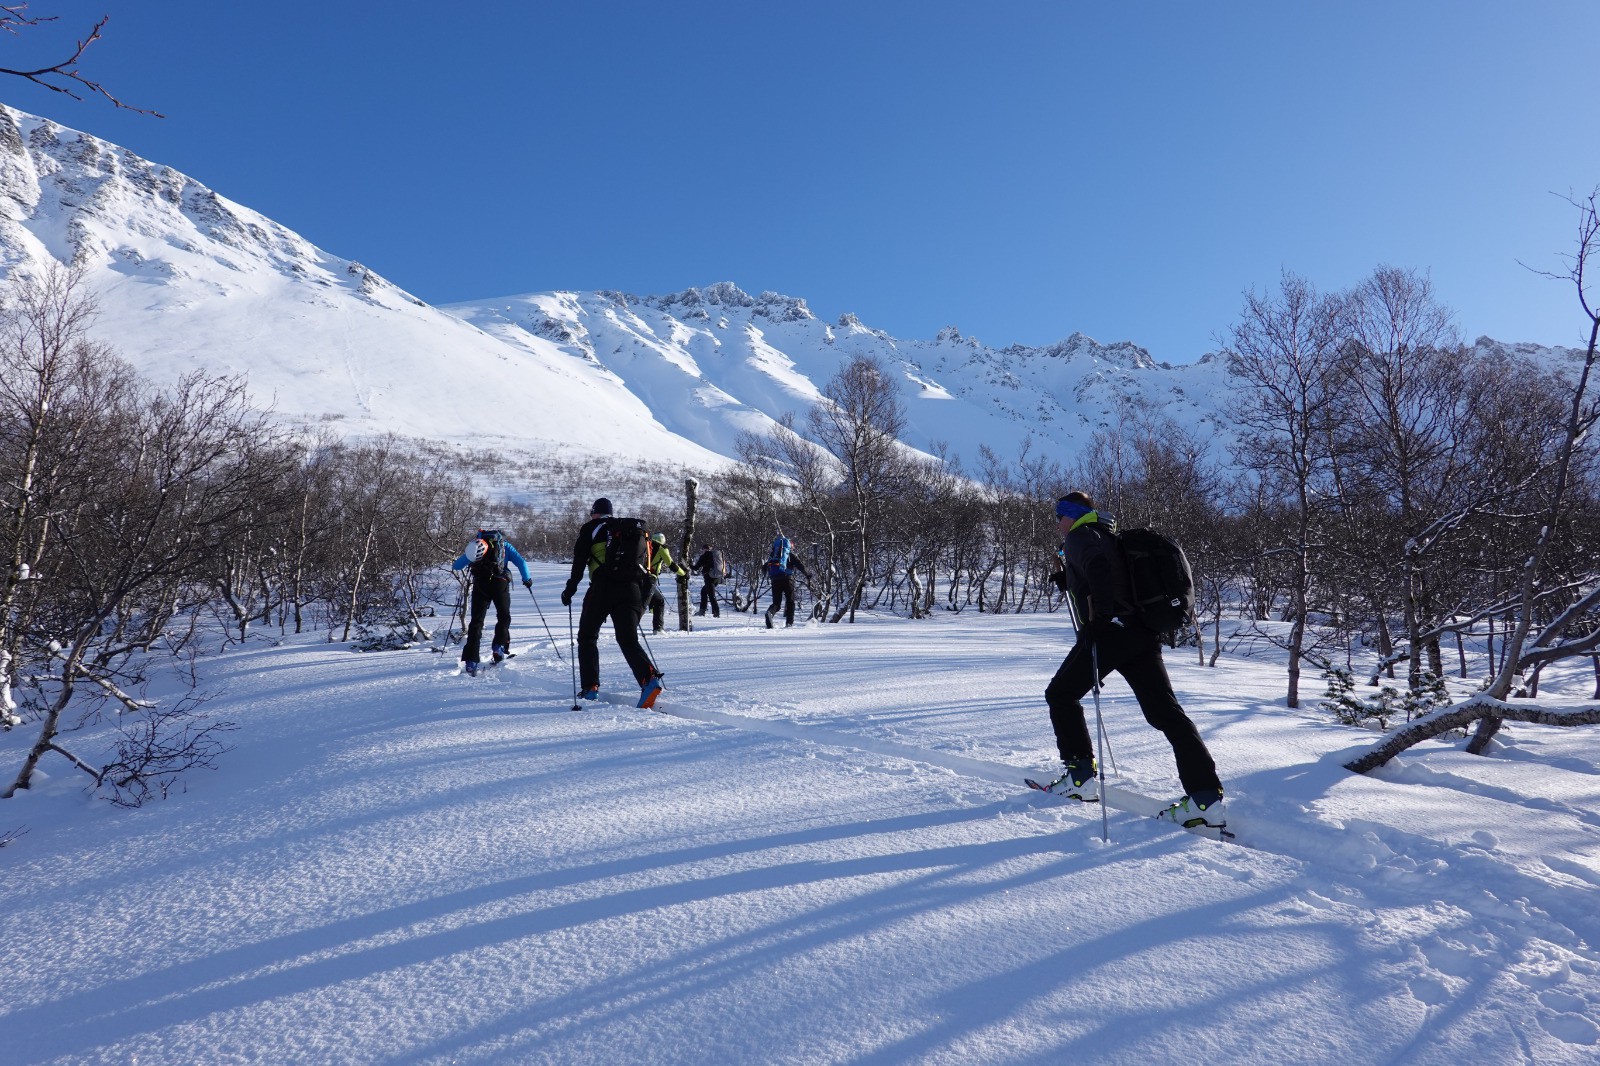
(63, 76)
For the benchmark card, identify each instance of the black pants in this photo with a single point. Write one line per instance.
(621, 604)
(658, 609)
(496, 591)
(782, 593)
(1135, 653)
(708, 594)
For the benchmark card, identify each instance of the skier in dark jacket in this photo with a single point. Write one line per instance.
(782, 584)
(619, 601)
(709, 567)
(491, 583)
(1096, 578)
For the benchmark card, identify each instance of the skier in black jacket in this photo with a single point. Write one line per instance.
(620, 602)
(709, 567)
(1096, 578)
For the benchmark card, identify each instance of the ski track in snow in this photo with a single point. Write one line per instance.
(817, 848)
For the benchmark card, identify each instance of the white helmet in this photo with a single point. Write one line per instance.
(477, 550)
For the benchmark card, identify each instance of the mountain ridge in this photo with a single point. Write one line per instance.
(187, 280)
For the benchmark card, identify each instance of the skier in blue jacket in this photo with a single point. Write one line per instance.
(490, 556)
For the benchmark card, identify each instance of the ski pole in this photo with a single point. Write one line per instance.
(646, 640)
(1100, 729)
(549, 634)
(574, 641)
(1094, 659)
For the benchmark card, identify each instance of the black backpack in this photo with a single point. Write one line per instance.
(627, 554)
(1160, 581)
(493, 563)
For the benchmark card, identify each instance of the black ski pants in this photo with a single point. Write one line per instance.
(658, 609)
(782, 593)
(1135, 653)
(621, 604)
(708, 595)
(498, 592)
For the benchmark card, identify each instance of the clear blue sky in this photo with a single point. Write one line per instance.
(1019, 170)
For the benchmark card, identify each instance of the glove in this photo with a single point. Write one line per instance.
(527, 583)
(1059, 579)
(1098, 630)
(566, 594)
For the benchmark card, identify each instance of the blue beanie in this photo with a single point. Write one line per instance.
(1071, 509)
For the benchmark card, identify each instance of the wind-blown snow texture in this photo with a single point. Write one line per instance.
(818, 849)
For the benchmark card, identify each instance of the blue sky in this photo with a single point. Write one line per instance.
(1019, 170)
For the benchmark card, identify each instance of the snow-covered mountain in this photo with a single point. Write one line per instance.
(711, 362)
(188, 279)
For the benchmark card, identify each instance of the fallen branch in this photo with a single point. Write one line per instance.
(1464, 714)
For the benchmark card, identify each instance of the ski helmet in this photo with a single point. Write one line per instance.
(658, 538)
(477, 550)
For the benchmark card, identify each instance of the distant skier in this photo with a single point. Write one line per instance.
(713, 569)
(660, 559)
(781, 561)
(1096, 577)
(489, 555)
(616, 554)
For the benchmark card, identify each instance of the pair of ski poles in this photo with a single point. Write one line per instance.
(572, 637)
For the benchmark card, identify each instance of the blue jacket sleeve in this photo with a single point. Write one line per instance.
(512, 555)
(461, 562)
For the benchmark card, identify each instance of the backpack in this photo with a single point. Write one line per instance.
(719, 565)
(1159, 580)
(493, 563)
(627, 551)
(778, 557)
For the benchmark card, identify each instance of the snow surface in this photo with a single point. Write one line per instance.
(816, 850)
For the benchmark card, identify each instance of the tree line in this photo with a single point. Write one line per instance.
(137, 523)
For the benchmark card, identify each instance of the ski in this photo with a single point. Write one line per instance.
(1123, 800)
(1031, 783)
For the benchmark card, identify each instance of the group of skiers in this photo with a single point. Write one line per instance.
(1114, 632)
(624, 563)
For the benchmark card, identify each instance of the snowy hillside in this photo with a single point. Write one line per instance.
(188, 280)
(817, 850)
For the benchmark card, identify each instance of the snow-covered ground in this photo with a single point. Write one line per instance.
(816, 850)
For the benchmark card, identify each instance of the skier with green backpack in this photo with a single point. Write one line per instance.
(615, 552)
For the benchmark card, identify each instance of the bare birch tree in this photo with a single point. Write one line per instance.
(1285, 356)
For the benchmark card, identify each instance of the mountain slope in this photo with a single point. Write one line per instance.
(186, 280)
